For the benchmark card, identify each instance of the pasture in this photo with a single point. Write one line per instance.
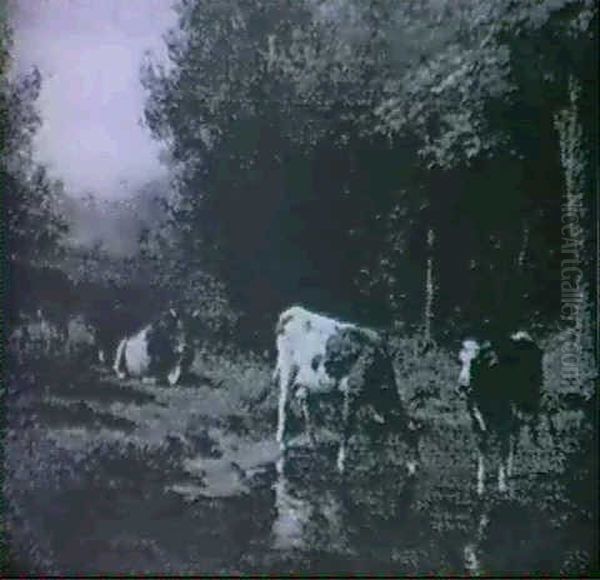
(109, 476)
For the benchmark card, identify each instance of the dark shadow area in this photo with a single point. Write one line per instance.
(101, 392)
(79, 414)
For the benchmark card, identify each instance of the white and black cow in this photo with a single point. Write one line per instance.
(160, 350)
(502, 381)
(318, 356)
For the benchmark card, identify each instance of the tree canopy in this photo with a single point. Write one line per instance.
(33, 225)
(315, 143)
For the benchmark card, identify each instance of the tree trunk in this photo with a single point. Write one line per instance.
(429, 287)
(524, 246)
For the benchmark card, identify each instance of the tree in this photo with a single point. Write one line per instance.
(484, 103)
(33, 224)
(297, 129)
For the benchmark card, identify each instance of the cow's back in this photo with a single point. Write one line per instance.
(301, 342)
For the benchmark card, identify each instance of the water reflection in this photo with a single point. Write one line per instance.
(317, 510)
(379, 520)
(473, 549)
(307, 519)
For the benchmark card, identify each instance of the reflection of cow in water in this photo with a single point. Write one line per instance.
(160, 350)
(306, 516)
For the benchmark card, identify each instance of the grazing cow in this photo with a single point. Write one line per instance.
(319, 356)
(503, 385)
(158, 350)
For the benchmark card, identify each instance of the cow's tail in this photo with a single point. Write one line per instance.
(119, 366)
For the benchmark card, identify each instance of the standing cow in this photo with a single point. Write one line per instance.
(160, 350)
(502, 381)
(318, 356)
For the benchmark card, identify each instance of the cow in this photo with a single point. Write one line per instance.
(159, 350)
(319, 356)
(501, 380)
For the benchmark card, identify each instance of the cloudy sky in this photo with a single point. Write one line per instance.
(89, 53)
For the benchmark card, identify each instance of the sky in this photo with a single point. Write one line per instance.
(89, 53)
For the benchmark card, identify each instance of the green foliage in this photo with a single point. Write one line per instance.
(476, 58)
(187, 283)
(32, 218)
(295, 130)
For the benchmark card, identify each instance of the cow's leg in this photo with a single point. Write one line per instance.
(175, 374)
(512, 450)
(503, 463)
(119, 360)
(480, 472)
(285, 378)
(412, 440)
(347, 412)
(305, 402)
(282, 410)
(482, 438)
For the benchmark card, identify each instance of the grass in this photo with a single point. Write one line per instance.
(122, 477)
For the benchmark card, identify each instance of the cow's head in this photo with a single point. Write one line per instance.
(467, 355)
(475, 358)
